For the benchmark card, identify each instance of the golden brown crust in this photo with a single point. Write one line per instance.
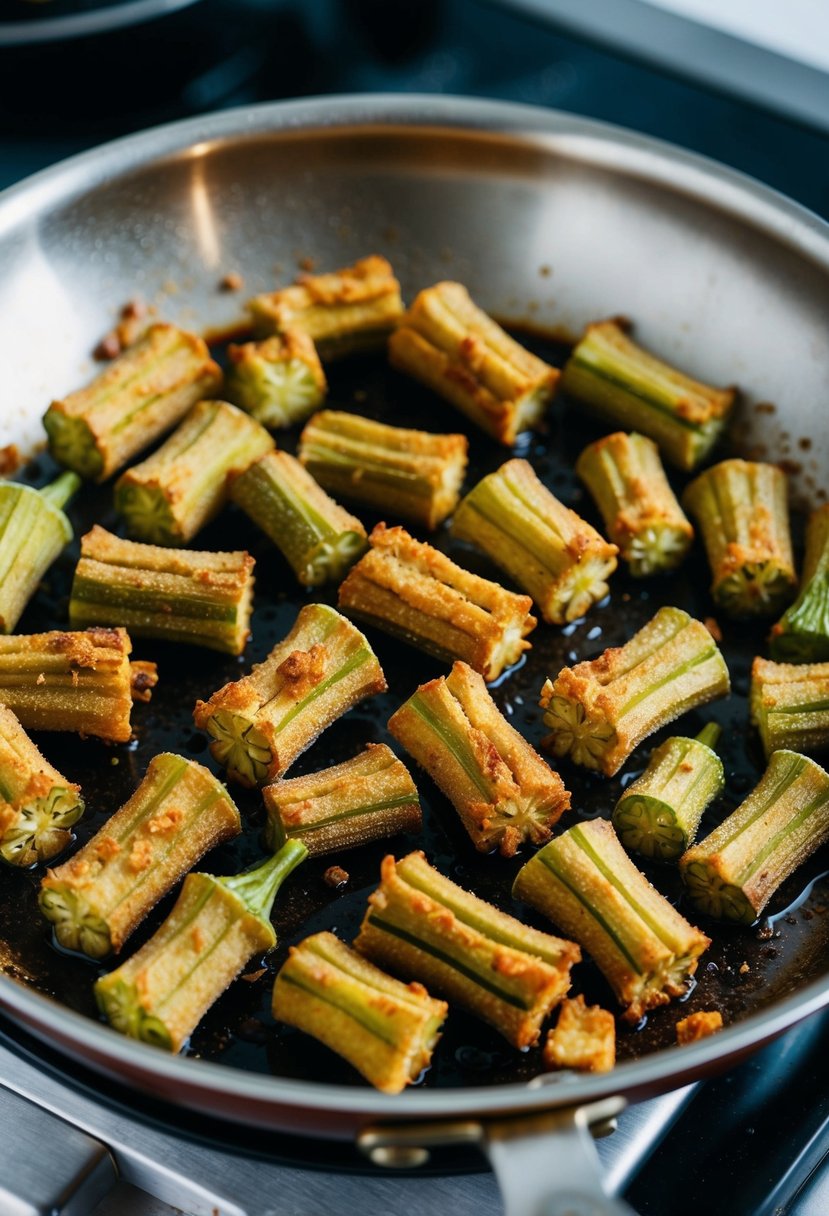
(698, 1026)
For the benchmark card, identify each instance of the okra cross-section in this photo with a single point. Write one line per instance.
(742, 512)
(502, 790)
(425, 927)
(545, 547)
(448, 343)
(260, 724)
(278, 381)
(172, 494)
(802, 633)
(733, 873)
(587, 885)
(601, 709)
(38, 806)
(203, 599)
(367, 798)
(100, 895)
(639, 392)
(387, 1030)
(217, 925)
(418, 594)
(33, 531)
(402, 472)
(790, 705)
(317, 536)
(139, 396)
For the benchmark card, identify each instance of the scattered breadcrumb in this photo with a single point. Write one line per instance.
(253, 976)
(10, 460)
(584, 1038)
(231, 282)
(744, 968)
(335, 876)
(698, 1026)
(713, 628)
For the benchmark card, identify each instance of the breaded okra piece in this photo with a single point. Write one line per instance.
(138, 397)
(345, 311)
(802, 633)
(318, 537)
(100, 895)
(427, 928)
(659, 813)
(502, 790)
(583, 1038)
(639, 392)
(601, 709)
(81, 681)
(413, 474)
(789, 705)
(201, 598)
(385, 1029)
(743, 515)
(279, 381)
(625, 476)
(416, 593)
(172, 494)
(260, 724)
(549, 550)
(217, 925)
(37, 805)
(33, 531)
(453, 347)
(733, 873)
(587, 885)
(367, 798)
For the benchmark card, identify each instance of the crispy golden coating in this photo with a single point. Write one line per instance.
(38, 806)
(789, 705)
(583, 1038)
(698, 1026)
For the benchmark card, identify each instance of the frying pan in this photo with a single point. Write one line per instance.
(551, 221)
(62, 19)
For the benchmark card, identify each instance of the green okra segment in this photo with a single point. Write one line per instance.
(138, 397)
(385, 1029)
(587, 885)
(260, 724)
(203, 599)
(38, 806)
(317, 536)
(217, 925)
(101, 894)
(639, 392)
(549, 551)
(33, 531)
(624, 474)
(413, 474)
(802, 633)
(742, 512)
(733, 873)
(600, 710)
(427, 928)
(790, 705)
(659, 813)
(279, 381)
(172, 494)
(367, 798)
(502, 790)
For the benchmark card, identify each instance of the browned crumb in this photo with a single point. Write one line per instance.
(698, 1026)
(584, 1038)
(713, 628)
(765, 407)
(144, 677)
(335, 876)
(231, 282)
(307, 264)
(744, 968)
(10, 460)
(109, 347)
(253, 976)
(141, 856)
(41, 679)
(545, 271)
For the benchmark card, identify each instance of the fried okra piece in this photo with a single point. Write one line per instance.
(172, 494)
(659, 813)
(101, 894)
(38, 806)
(733, 873)
(81, 681)
(639, 392)
(601, 709)
(345, 311)
(624, 474)
(367, 798)
(547, 549)
(802, 633)
(698, 1026)
(409, 473)
(789, 705)
(583, 1038)
(318, 537)
(425, 927)
(502, 790)
(385, 1029)
(416, 593)
(260, 724)
(279, 381)
(139, 396)
(217, 925)
(33, 531)
(587, 885)
(203, 599)
(742, 512)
